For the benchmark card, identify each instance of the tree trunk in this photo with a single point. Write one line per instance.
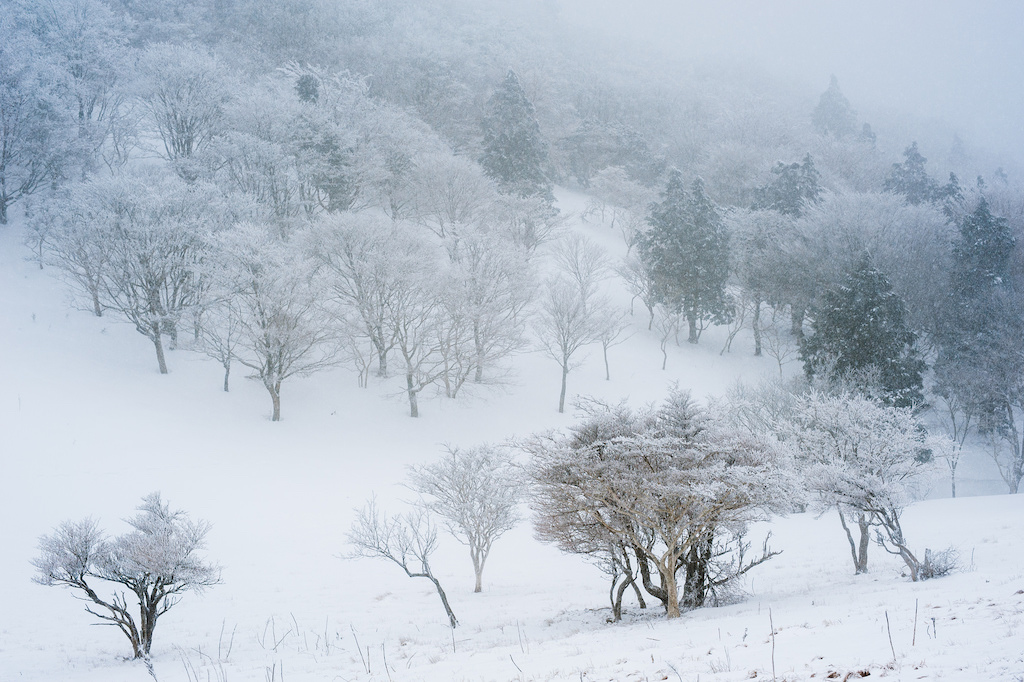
(696, 586)
(227, 373)
(691, 322)
(414, 408)
(607, 372)
(668, 581)
(158, 344)
(797, 323)
(444, 600)
(3, 209)
(479, 556)
(561, 396)
(479, 374)
(275, 395)
(645, 576)
(97, 309)
(859, 551)
(757, 329)
(865, 540)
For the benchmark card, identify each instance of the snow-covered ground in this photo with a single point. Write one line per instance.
(88, 426)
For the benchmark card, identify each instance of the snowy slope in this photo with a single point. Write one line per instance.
(88, 426)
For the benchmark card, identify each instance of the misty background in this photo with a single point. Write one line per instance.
(960, 64)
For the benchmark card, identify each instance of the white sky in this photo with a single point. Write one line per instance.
(957, 60)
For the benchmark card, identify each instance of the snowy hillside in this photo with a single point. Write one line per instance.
(88, 427)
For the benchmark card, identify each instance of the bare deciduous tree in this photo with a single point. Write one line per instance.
(407, 541)
(184, 91)
(282, 327)
(476, 491)
(564, 325)
(157, 562)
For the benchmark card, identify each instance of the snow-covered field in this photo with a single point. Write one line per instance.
(88, 426)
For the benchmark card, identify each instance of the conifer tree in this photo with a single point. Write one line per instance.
(687, 250)
(515, 154)
(911, 180)
(834, 115)
(860, 333)
(981, 255)
(794, 186)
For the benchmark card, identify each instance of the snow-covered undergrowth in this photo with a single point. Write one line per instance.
(88, 427)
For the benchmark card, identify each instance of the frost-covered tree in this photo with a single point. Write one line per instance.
(979, 369)
(407, 540)
(33, 120)
(353, 252)
(154, 230)
(687, 250)
(490, 283)
(910, 179)
(184, 89)
(794, 186)
(868, 461)
(451, 193)
(87, 43)
(981, 254)
(157, 562)
(476, 492)
(515, 154)
(564, 324)
(834, 115)
(282, 328)
(860, 329)
(660, 484)
(414, 313)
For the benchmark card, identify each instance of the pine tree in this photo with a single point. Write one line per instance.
(515, 155)
(687, 250)
(793, 186)
(911, 180)
(834, 115)
(860, 334)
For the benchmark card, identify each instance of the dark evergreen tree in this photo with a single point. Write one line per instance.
(981, 254)
(687, 251)
(860, 332)
(911, 180)
(980, 367)
(793, 186)
(515, 155)
(834, 116)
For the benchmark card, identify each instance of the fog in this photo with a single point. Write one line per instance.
(961, 62)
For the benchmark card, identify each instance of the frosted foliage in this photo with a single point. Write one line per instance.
(282, 330)
(656, 481)
(184, 90)
(158, 561)
(869, 461)
(860, 454)
(475, 491)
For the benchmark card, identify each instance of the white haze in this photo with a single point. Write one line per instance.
(958, 62)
